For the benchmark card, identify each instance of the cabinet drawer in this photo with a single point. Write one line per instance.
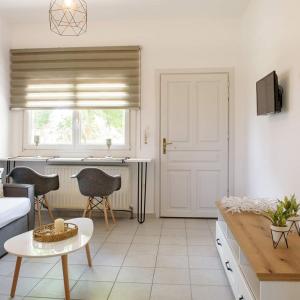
(231, 268)
(243, 291)
(227, 259)
(251, 278)
(220, 239)
(234, 246)
(223, 227)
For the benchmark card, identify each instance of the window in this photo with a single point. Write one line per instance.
(52, 126)
(76, 99)
(77, 129)
(98, 125)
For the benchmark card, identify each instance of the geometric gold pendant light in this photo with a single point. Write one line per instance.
(68, 17)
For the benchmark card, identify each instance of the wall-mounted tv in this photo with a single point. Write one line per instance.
(269, 95)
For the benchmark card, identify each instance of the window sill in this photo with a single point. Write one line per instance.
(70, 151)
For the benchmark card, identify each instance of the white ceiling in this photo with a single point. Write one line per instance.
(36, 11)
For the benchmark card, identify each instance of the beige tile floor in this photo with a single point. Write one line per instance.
(161, 259)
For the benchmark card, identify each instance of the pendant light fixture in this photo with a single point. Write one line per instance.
(68, 17)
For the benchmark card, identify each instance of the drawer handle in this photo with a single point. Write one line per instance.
(242, 298)
(218, 242)
(228, 266)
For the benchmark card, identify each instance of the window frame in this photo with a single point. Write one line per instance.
(76, 145)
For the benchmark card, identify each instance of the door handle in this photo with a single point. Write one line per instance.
(218, 242)
(228, 266)
(165, 144)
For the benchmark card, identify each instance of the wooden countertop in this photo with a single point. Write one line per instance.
(252, 232)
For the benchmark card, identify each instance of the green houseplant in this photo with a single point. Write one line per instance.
(291, 205)
(278, 217)
(279, 228)
(292, 208)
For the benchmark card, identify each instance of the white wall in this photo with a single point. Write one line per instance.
(166, 44)
(4, 91)
(267, 147)
(267, 38)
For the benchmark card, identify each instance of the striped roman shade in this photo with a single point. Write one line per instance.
(86, 78)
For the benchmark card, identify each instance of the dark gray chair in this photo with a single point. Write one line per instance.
(43, 184)
(97, 186)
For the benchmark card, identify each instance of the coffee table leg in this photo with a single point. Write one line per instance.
(16, 276)
(64, 261)
(88, 254)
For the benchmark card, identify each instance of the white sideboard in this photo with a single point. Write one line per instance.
(256, 280)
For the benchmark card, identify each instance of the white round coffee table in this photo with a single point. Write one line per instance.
(23, 245)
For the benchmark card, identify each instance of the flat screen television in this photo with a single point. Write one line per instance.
(269, 95)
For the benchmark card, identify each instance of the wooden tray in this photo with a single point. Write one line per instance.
(47, 234)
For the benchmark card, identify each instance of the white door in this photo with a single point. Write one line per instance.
(194, 120)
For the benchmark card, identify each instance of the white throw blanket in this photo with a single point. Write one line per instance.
(245, 204)
(1, 190)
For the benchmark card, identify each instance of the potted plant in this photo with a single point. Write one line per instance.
(279, 228)
(292, 208)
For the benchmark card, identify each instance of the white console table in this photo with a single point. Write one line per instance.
(142, 171)
(255, 270)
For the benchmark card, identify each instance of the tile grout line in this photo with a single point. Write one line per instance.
(114, 283)
(105, 240)
(155, 266)
(136, 229)
(188, 256)
(76, 281)
(38, 282)
(102, 244)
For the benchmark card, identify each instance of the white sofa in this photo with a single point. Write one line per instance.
(13, 208)
(16, 212)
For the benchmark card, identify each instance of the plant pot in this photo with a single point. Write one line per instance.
(279, 235)
(294, 221)
(289, 223)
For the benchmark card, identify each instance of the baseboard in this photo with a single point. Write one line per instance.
(77, 213)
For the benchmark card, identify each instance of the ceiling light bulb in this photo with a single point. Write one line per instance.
(68, 17)
(68, 3)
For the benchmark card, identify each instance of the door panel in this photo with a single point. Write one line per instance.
(208, 185)
(194, 120)
(179, 197)
(207, 101)
(195, 156)
(178, 111)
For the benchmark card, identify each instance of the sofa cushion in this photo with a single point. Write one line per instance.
(12, 209)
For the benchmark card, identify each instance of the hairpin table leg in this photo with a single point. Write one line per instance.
(142, 191)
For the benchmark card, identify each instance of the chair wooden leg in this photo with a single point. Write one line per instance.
(88, 255)
(49, 208)
(105, 212)
(111, 211)
(64, 261)
(38, 207)
(16, 277)
(86, 208)
(90, 208)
